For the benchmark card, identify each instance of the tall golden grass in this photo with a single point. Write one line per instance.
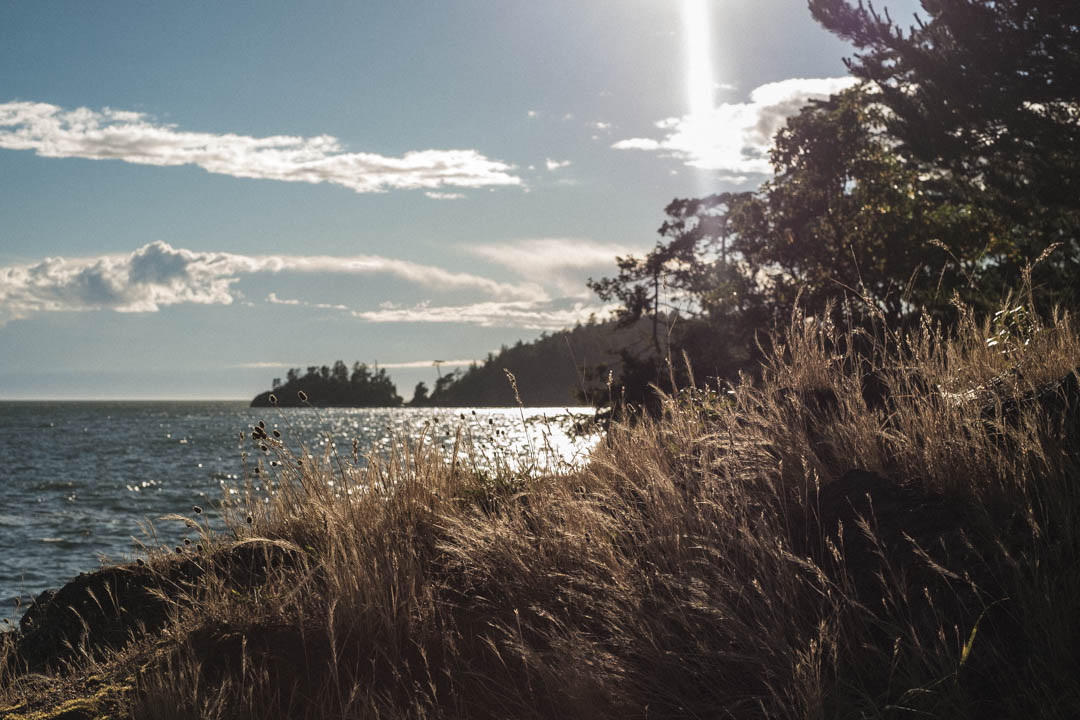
(883, 525)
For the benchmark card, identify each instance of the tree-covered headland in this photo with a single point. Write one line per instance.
(560, 369)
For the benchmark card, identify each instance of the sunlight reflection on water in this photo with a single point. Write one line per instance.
(78, 479)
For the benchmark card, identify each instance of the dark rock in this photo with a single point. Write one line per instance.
(94, 612)
(104, 610)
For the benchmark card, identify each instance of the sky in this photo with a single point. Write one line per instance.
(196, 196)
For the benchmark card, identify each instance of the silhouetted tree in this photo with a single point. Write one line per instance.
(983, 97)
(420, 394)
(340, 372)
(845, 216)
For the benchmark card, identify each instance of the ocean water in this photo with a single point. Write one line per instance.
(80, 480)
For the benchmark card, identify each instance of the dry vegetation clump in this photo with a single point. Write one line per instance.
(879, 527)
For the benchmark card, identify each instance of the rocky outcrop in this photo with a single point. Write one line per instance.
(102, 611)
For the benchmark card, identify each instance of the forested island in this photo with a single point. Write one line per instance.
(332, 386)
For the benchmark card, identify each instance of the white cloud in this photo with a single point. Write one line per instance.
(425, 364)
(272, 364)
(545, 258)
(547, 315)
(132, 137)
(265, 365)
(599, 125)
(445, 195)
(273, 299)
(638, 144)
(736, 137)
(158, 275)
(559, 263)
(554, 165)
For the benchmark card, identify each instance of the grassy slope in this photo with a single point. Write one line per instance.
(723, 560)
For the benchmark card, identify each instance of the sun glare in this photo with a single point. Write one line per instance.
(699, 71)
(697, 32)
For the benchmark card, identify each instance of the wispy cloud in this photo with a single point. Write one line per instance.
(529, 314)
(265, 365)
(547, 315)
(133, 137)
(158, 275)
(549, 259)
(273, 299)
(736, 137)
(273, 364)
(425, 364)
(435, 195)
(553, 165)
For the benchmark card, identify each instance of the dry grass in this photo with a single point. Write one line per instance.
(722, 560)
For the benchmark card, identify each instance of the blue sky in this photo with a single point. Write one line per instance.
(195, 196)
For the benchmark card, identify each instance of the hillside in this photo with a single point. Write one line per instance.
(564, 368)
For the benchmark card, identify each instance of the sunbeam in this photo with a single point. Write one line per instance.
(697, 33)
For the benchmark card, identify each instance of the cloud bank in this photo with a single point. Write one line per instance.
(735, 137)
(133, 137)
(158, 275)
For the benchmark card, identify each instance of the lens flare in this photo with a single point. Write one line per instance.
(697, 37)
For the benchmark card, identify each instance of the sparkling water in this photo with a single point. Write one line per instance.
(80, 480)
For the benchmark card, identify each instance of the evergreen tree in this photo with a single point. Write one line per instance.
(420, 394)
(984, 96)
